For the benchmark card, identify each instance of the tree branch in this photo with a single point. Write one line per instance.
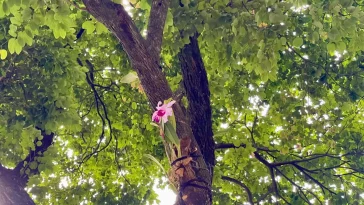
(31, 157)
(323, 187)
(157, 18)
(198, 95)
(117, 20)
(228, 145)
(247, 190)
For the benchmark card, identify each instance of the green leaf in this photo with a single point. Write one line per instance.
(283, 41)
(89, 26)
(12, 44)
(156, 162)
(315, 36)
(170, 133)
(3, 54)
(134, 105)
(33, 165)
(341, 46)
(331, 47)
(100, 28)
(129, 78)
(297, 42)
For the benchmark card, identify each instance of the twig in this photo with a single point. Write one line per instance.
(76, 5)
(247, 190)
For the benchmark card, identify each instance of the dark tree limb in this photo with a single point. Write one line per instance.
(47, 141)
(246, 188)
(13, 181)
(102, 113)
(157, 18)
(12, 188)
(198, 95)
(322, 186)
(228, 146)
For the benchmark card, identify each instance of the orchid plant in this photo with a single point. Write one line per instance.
(164, 118)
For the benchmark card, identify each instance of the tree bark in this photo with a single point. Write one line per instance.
(12, 188)
(14, 181)
(195, 184)
(198, 94)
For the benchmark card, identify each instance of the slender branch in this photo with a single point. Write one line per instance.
(299, 188)
(247, 190)
(228, 145)
(274, 182)
(323, 187)
(98, 102)
(261, 198)
(157, 18)
(296, 161)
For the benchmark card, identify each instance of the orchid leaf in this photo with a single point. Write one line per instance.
(170, 133)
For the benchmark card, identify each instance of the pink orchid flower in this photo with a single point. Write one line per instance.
(163, 112)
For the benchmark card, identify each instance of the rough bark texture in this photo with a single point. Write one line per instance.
(195, 185)
(198, 95)
(13, 181)
(157, 18)
(12, 189)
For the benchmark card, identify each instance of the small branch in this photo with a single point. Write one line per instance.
(274, 182)
(261, 198)
(98, 102)
(262, 160)
(228, 146)
(251, 131)
(296, 161)
(299, 188)
(323, 187)
(247, 190)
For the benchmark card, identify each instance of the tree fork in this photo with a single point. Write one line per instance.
(156, 87)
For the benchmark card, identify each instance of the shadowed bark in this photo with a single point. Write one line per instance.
(12, 188)
(14, 181)
(198, 94)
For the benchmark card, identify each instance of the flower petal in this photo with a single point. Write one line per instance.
(155, 117)
(159, 105)
(165, 118)
(171, 103)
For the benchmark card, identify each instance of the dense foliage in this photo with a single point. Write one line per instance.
(286, 84)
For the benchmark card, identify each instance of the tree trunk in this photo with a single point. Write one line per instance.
(14, 181)
(198, 94)
(12, 188)
(195, 183)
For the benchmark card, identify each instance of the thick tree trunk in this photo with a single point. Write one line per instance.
(195, 184)
(12, 188)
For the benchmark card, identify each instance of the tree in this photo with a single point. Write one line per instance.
(268, 101)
